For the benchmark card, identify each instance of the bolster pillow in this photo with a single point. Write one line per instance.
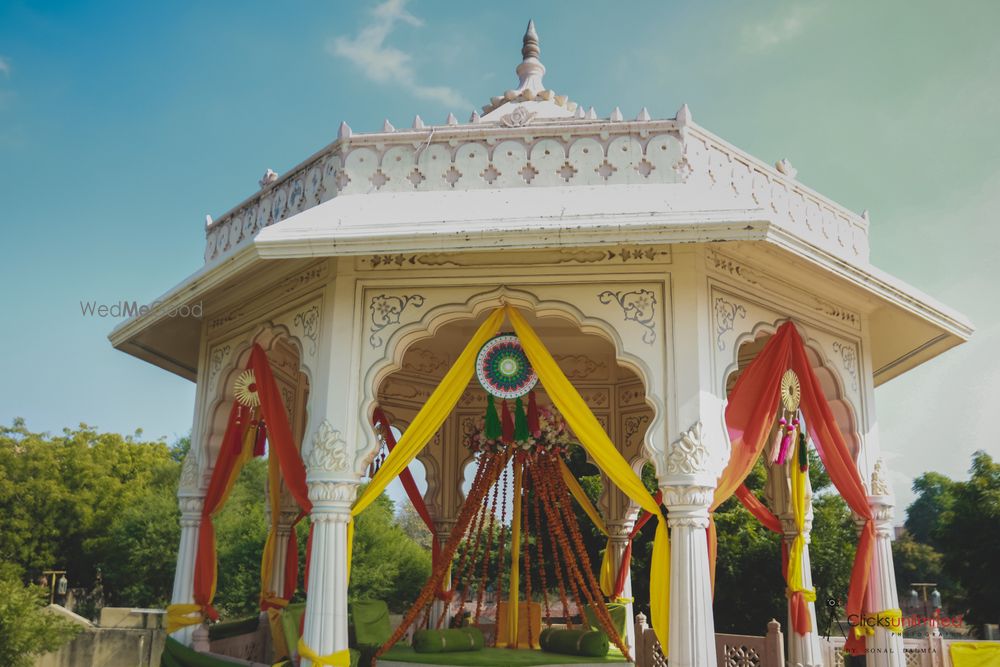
(448, 641)
(591, 643)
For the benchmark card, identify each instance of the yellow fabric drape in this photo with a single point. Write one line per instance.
(515, 559)
(607, 574)
(427, 422)
(975, 654)
(798, 484)
(338, 659)
(183, 615)
(890, 619)
(597, 443)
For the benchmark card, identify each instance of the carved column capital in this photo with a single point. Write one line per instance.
(190, 506)
(619, 531)
(328, 455)
(884, 511)
(687, 505)
(332, 499)
(688, 459)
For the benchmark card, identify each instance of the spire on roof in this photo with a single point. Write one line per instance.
(531, 70)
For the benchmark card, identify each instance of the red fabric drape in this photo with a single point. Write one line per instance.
(279, 435)
(750, 413)
(626, 561)
(413, 493)
(801, 622)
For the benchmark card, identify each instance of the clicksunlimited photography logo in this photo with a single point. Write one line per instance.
(125, 309)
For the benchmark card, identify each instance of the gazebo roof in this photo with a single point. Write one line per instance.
(537, 171)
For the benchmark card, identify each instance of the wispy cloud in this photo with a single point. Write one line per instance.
(789, 24)
(4, 66)
(383, 63)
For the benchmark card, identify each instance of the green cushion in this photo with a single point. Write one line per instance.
(592, 643)
(451, 640)
(243, 626)
(291, 617)
(370, 619)
(618, 613)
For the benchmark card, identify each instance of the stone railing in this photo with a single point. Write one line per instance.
(566, 153)
(732, 650)
(918, 651)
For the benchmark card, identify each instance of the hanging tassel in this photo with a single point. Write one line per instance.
(507, 423)
(533, 426)
(803, 451)
(520, 421)
(491, 429)
(786, 440)
(779, 433)
(258, 445)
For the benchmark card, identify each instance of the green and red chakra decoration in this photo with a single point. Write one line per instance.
(503, 370)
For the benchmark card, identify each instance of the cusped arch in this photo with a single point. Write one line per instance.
(268, 337)
(844, 412)
(474, 307)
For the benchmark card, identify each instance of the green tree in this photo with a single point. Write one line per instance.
(26, 628)
(924, 516)
(387, 564)
(968, 536)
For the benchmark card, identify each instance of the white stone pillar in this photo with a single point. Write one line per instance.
(325, 629)
(190, 498)
(282, 535)
(885, 648)
(803, 650)
(692, 625)
(617, 542)
(332, 490)
(442, 533)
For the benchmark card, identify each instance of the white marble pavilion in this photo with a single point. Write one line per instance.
(652, 257)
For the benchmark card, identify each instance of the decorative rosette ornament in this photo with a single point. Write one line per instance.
(245, 389)
(789, 431)
(503, 370)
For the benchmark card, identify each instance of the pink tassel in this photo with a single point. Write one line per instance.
(783, 452)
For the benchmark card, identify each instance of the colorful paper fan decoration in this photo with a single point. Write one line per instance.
(503, 369)
(788, 432)
(245, 389)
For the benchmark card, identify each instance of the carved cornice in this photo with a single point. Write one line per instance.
(517, 258)
(760, 280)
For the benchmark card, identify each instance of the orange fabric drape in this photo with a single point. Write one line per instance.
(235, 451)
(752, 407)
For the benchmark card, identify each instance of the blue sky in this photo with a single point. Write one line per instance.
(122, 124)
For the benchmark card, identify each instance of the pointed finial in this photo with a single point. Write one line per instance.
(866, 215)
(387, 126)
(683, 115)
(530, 48)
(345, 130)
(451, 120)
(531, 70)
(579, 113)
(643, 114)
(616, 115)
(418, 122)
(591, 114)
(208, 221)
(474, 118)
(784, 165)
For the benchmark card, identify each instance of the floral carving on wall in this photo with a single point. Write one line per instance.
(329, 450)
(725, 319)
(308, 321)
(386, 310)
(638, 306)
(848, 360)
(688, 454)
